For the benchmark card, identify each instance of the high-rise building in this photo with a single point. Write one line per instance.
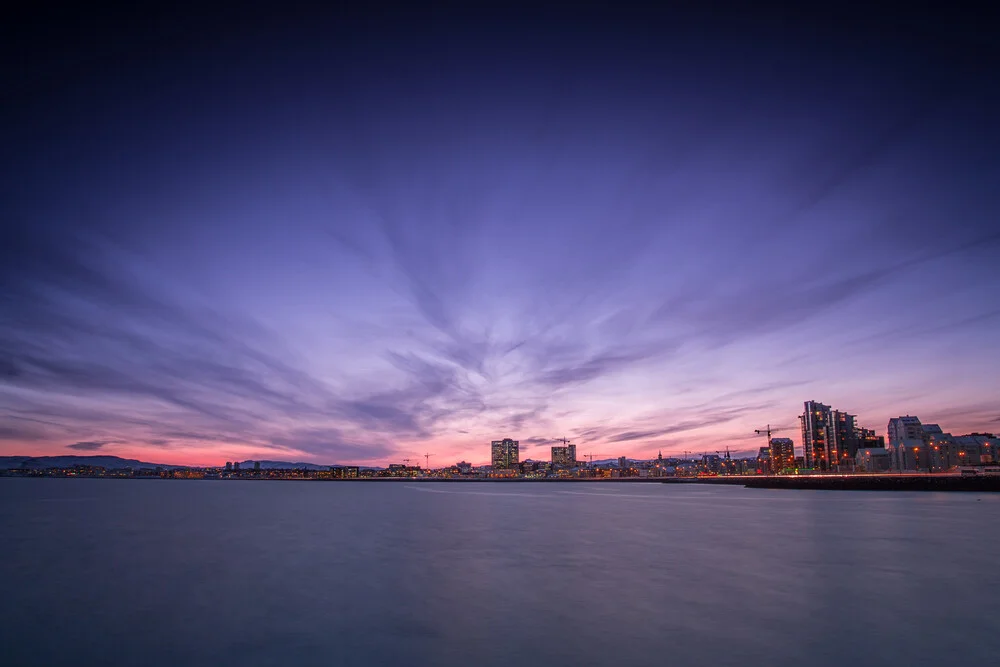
(504, 454)
(843, 440)
(831, 438)
(564, 455)
(815, 433)
(782, 454)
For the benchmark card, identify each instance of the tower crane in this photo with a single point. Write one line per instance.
(427, 461)
(767, 431)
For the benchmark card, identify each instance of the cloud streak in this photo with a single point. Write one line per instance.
(87, 445)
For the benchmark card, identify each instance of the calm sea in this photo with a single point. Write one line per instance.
(150, 572)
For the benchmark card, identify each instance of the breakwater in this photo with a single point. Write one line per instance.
(878, 483)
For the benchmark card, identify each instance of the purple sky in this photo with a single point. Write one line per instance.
(358, 238)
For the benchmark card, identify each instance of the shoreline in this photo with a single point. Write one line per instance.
(946, 483)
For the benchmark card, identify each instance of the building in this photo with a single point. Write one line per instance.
(564, 455)
(782, 454)
(872, 459)
(831, 438)
(843, 440)
(815, 432)
(868, 440)
(504, 454)
(948, 452)
(764, 460)
(344, 472)
(905, 442)
(988, 444)
(400, 470)
(917, 447)
(711, 463)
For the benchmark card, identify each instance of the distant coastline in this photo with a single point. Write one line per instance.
(889, 482)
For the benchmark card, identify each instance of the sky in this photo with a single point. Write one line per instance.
(360, 236)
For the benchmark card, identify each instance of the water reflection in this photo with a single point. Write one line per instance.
(262, 573)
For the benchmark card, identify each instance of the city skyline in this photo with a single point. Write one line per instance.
(391, 237)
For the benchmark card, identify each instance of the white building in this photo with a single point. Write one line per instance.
(873, 459)
(905, 442)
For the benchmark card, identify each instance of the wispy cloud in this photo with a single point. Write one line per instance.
(88, 445)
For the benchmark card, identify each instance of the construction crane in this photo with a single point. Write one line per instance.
(564, 441)
(427, 461)
(591, 457)
(768, 431)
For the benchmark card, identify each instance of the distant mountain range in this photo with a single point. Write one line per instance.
(111, 462)
(43, 462)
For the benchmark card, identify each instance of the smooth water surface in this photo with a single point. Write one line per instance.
(158, 572)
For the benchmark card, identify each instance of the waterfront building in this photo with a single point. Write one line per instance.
(400, 470)
(917, 447)
(872, 459)
(564, 455)
(843, 440)
(763, 461)
(782, 454)
(988, 444)
(831, 438)
(815, 432)
(947, 451)
(905, 442)
(504, 454)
